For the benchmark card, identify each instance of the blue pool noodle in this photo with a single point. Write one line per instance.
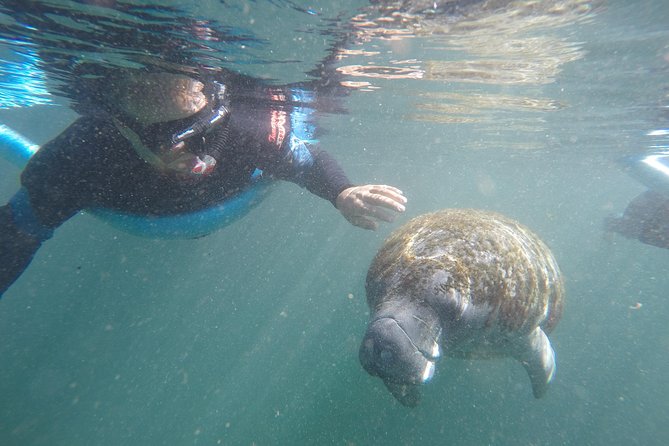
(18, 150)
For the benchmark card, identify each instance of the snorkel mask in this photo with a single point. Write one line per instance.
(204, 163)
(180, 108)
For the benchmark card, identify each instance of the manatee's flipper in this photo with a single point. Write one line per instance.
(538, 358)
(407, 394)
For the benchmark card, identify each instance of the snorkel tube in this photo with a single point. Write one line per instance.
(217, 118)
(18, 150)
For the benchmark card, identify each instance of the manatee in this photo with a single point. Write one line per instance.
(462, 283)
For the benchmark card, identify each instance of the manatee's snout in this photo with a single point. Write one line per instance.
(391, 350)
(388, 352)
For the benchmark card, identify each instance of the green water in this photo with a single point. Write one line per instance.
(250, 335)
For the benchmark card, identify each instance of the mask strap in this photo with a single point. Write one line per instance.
(136, 142)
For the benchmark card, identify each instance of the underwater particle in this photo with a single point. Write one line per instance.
(350, 295)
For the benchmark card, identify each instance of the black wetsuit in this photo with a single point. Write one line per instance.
(92, 165)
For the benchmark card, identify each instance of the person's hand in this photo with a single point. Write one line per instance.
(363, 205)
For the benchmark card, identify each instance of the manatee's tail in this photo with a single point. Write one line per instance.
(538, 358)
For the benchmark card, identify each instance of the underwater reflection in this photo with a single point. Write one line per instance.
(480, 43)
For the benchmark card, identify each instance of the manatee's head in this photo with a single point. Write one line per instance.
(400, 347)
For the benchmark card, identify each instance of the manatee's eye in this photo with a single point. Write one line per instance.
(386, 356)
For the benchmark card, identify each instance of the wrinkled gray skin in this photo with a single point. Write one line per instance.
(460, 283)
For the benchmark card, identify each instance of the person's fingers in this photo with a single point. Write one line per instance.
(363, 206)
(384, 198)
(371, 199)
(388, 191)
(388, 188)
(363, 222)
(384, 216)
(377, 212)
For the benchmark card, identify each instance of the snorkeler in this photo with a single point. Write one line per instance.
(646, 217)
(166, 145)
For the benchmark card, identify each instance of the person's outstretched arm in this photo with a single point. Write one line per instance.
(363, 206)
(285, 147)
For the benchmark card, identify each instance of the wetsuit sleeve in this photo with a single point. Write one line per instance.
(280, 141)
(65, 175)
(55, 184)
(303, 162)
(309, 167)
(323, 177)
